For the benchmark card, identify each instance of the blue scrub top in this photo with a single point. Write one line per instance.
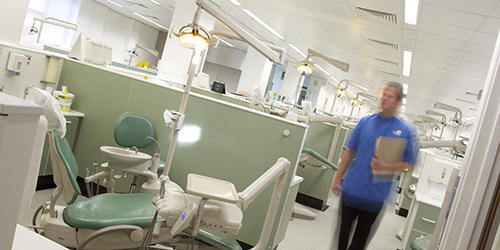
(359, 189)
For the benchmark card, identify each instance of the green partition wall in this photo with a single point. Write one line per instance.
(317, 183)
(236, 144)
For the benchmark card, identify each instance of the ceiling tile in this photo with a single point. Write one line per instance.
(334, 8)
(479, 49)
(440, 40)
(484, 39)
(490, 25)
(482, 8)
(451, 17)
(446, 30)
(437, 49)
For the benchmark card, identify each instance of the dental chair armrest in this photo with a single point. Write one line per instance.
(309, 153)
(135, 234)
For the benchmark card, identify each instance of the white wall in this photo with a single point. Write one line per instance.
(225, 56)
(230, 76)
(117, 30)
(12, 20)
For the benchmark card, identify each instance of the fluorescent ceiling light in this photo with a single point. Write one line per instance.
(153, 22)
(404, 100)
(333, 78)
(405, 88)
(411, 11)
(155, 2)
(235, 2)
(115, 3)
(228, 44)
(297, 49)
(407, 55)
(324, 71)
(252, 15)
(403, 107)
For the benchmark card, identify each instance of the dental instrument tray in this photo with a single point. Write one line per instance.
(211, 188)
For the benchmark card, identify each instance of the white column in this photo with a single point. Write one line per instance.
(12, 21)
(176, 59)
(255, 72)
(290, 82)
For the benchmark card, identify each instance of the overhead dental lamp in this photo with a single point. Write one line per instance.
(343, 91)
(133, 52)
(53, 21)
(356, 101)
(306, 67)
(194, 36)
(457, 119)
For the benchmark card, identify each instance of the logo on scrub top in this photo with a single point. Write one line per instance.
(397, 132)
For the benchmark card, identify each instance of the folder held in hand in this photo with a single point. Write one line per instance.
(391, 150)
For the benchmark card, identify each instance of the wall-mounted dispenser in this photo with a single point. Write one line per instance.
(16, 63)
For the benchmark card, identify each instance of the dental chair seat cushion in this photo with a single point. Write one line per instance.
(319, 158)
(111, 210)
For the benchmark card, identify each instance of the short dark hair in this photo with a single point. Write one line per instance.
(397, 86)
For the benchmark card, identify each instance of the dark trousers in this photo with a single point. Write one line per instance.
(362, 230)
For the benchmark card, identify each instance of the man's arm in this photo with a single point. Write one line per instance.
(378, 164)
(344, 163)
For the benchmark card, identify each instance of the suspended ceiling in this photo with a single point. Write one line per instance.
(452, 42)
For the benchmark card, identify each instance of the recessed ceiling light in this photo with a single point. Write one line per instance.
(407, 55)
(235, 2)
(114, 3)
(411, 11)
(155, 2)
(297, 49)
(149, 20)
(405, 88)
(404, 100)
(256, 18)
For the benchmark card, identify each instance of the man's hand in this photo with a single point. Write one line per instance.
(337, 186)
(377, 163)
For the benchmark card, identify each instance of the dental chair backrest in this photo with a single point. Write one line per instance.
(132, 129)
(64, 167)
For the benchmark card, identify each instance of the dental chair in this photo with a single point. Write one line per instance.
(310, 159)
(134, 130)
(125, 221)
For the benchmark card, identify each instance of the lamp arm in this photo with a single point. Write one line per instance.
(339, 64)
(281, 50)
(215, 12)
(150, 51)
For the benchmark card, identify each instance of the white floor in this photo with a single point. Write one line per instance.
(318, 234)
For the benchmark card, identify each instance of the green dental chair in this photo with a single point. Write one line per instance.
(132, 130)
(107, 221)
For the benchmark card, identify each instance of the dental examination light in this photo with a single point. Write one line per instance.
(356, 100)
(133, 52)
(442, 121)
(306, 67)
(195, 37)
(53, 21)
(457, 119)
(343, 91)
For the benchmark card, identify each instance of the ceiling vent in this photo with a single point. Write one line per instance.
(368, 13)
(391, 74)
(386, 61)
(385, 44)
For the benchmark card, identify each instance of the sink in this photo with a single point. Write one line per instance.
(125, 159)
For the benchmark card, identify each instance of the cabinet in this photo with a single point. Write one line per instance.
(421, 221)
(73, 120)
